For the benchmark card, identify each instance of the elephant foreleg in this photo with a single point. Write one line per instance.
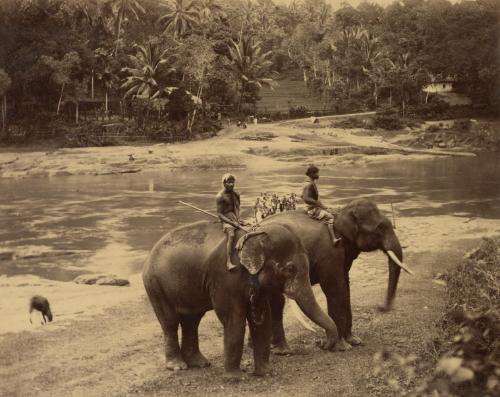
(233, 319)
(190, 349)
(259, 321)
(336, 292)
(350, 338)
(280, 345)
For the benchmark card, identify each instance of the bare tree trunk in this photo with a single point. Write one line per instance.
(118, 32)
(305, 76)
(92, 83)
(198, 95)
(60, 99)
(106, 103)
(241, 96)
(390, 96)
(4, 111)
(403, 100)
(76, 112)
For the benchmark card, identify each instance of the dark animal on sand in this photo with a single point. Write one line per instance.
(42, 305)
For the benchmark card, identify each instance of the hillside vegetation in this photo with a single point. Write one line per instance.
(169, 70)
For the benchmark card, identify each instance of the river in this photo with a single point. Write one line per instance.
(57, 228)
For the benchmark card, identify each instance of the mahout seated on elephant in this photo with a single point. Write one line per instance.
(228, 211)
(315, 208)
(185, 276)
(362, 228)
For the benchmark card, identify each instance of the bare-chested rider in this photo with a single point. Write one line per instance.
(228, 211)
(315, 208)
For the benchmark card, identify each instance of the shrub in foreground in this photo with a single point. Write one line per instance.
(469, 352)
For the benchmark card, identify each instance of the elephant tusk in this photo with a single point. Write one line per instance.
(396, 260)
(299, 315)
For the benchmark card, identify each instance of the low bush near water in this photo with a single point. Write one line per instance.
(299, 111)
(388, 118)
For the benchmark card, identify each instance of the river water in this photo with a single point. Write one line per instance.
(58, 228)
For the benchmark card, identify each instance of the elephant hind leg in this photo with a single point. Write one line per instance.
(190, 349)
(169, 321)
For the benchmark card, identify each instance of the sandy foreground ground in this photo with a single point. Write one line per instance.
(116, 349)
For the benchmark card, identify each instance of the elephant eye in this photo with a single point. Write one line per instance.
(384, 226)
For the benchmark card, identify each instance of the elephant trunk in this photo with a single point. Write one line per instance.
(307, 302)
(392, 248)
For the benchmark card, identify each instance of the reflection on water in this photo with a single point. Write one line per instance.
(60, 227)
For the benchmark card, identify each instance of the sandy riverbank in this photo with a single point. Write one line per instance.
(262, 146)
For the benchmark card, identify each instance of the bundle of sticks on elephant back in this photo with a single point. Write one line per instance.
(268, 204)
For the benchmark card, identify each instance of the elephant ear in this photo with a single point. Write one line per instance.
(347, 224)
(251, 251)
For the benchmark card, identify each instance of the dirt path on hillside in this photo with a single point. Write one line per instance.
(120, 352)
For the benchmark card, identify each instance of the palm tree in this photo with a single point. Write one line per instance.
(374, 62)
(143, 76)
(377, 72)
(208, 9)
(249, 65)
(122, 8)
(105, 72)
(400, 75)
(248, 17)
(181, 17)
(94, 12)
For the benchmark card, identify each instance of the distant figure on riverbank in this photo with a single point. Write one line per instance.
(41, 304)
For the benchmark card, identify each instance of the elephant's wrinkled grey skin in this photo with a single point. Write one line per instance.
(363, 228)
(185, 276)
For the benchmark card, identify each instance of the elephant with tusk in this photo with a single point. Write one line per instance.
(363, 228)
(185, 276)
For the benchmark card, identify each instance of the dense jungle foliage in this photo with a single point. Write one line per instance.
(168, 65)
